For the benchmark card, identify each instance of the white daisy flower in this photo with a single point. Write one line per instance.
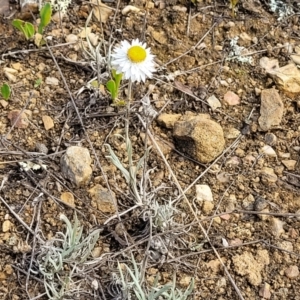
(134, 60)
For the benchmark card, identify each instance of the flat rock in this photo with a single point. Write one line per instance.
(268, 175)
(103, 199)
(214, 102)
(168, 120)
(290, 164)
(75, 165)
(231, 98)
(287, 78)
(48, 122)
(18, 119)
(199, 137)
(271, 109)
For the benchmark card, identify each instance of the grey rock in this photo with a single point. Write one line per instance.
(199, 137)
(260, 203)
(103, 199)
(75, 165)
(271, 109)
(270, 139)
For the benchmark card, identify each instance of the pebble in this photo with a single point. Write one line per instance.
(129, 9)
(18, 119)
(168, 120)
(71, 38)
(270, 139)
(232, 133)
(268, 150)
(103, 199)
(214, 102)
(75, 165)
(203, 193)
(6, 226)
(52, 81)
(48, 122)
(231, 98)
(248, 202)
(260, 203)
(289, 164)
(264, 217)
(199, 137)
(292, 272)
(264, 291)
(276, 227)
(295, 59)
(68, 198)
(287, 78)
(270, 102)
(268, 175)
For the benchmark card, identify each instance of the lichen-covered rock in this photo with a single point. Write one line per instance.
(76, 165)
(199, 137)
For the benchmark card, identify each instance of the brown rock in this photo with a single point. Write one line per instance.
(271, 109)
(168, 120)
(75, 165)
(276, 227)
(48, 122)
(268, 175)
(68, 198)
(6, 226)
(199, 137)
(292, 272)
(265, 291)
(18, 119)
(290, 164)
(287, 78)
(231, 98)
(103, 199)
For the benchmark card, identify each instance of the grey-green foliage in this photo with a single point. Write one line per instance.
(61, 257)
(130, 173)
(130, 281)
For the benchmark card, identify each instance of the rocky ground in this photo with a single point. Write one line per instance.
(214, 209)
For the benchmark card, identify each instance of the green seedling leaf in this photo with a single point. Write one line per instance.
(118, 78)
(18, 24)
(5, 91)
(37, 83)
(29, 30)
(111, 86)
(25, 27)
(45, 14)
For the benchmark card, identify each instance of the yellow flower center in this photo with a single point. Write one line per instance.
(136, 54)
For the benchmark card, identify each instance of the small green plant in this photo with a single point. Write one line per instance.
(113, 85)
(5, 91)
(64, 256)
(37, 83)
(131, 282)
(28, 29)
(45, 14)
